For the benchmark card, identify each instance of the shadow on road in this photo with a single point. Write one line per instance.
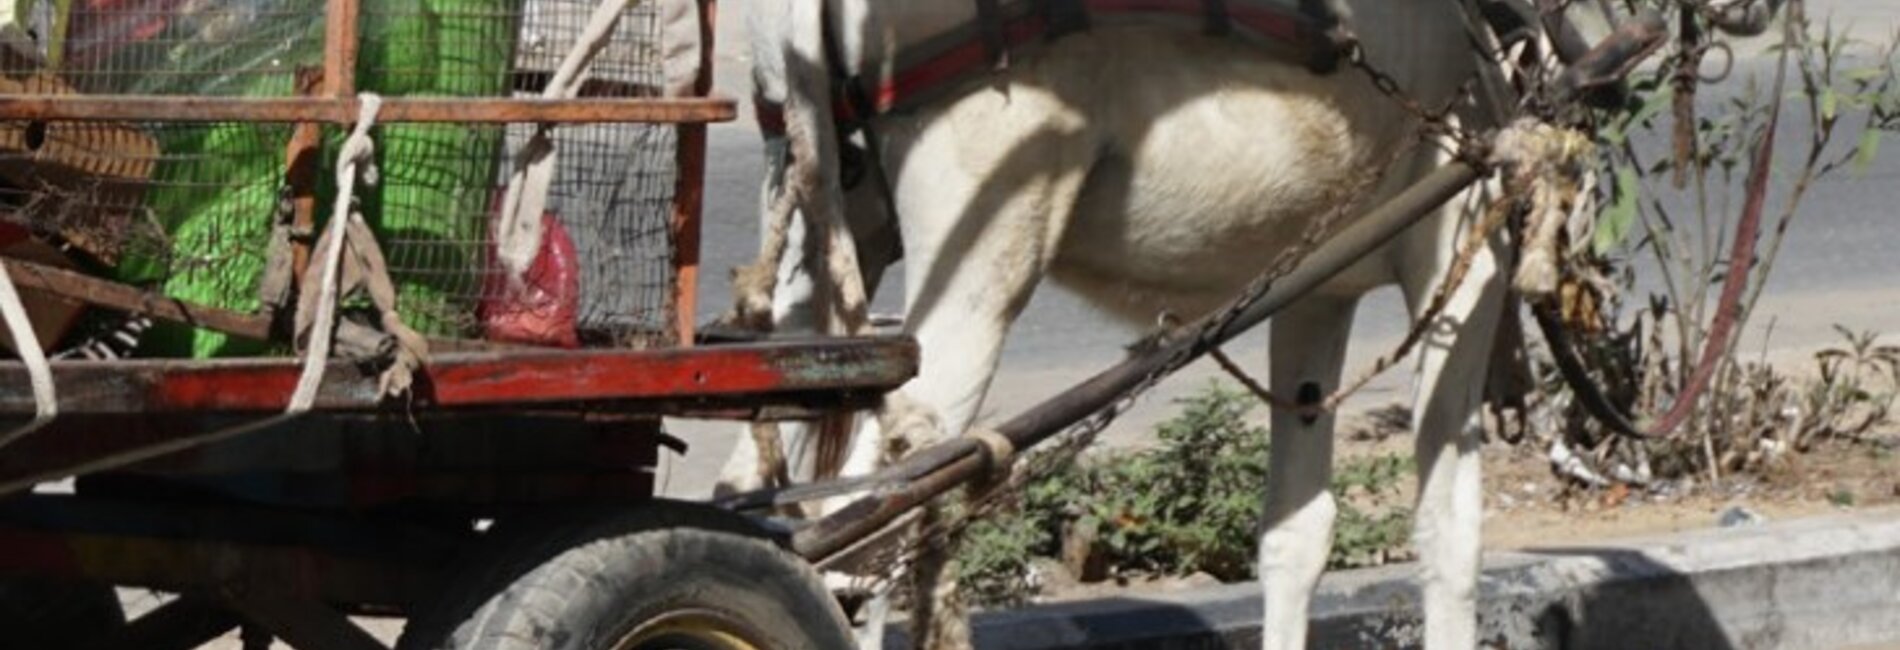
(1569, 599)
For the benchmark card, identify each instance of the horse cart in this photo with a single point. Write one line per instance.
(320, 317)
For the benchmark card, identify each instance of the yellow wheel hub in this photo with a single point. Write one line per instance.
(690, 630)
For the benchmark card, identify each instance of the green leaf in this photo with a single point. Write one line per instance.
(1613, 225)
(1650, 106)
(1830, 104)
(1615, 136)
(1868, 151)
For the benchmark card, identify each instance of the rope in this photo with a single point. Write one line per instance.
(358, 150)
(804, 187)
(45, 399)
(518, 226)
(1002, 452)
(1540, 157)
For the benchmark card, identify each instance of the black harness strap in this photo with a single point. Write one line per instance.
(850, 87)
(1219, 23)
(863, 110)
(989, 21)
(1065, 17)
(1323, 12)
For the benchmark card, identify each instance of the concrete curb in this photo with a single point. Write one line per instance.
(1823, 583)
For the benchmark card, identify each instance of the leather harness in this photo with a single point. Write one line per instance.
(1307, 32)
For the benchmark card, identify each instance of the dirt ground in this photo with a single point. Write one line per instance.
(1528, 505)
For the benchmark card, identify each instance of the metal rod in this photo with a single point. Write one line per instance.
(961, 460)
(343, 110)
(302, 622)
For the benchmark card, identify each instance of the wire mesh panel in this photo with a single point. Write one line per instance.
(194, 47)
(615, 181)
(191, 223)
(190, 208)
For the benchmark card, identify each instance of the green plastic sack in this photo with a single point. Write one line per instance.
(216, 188)
(438, 180)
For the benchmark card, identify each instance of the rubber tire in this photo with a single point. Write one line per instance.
(585, 587)
(53, 615)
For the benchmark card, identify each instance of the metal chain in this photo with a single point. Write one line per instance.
(1465, 145)
(1455, 276)
(1434, 123)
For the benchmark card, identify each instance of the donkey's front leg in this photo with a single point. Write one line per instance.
(1308, 350)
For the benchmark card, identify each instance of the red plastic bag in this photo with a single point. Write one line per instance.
(544, 308)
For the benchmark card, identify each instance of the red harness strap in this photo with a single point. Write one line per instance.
(1023, 25)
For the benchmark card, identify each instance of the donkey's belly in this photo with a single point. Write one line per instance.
(1195, 198)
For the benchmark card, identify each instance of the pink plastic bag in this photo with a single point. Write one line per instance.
(544, 309)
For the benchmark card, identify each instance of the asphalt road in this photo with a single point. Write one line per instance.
(1838, 265)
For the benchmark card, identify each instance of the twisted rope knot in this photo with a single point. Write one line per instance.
(340, 273)
(1548, 168)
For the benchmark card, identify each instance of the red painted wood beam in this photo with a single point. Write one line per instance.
(744, 372)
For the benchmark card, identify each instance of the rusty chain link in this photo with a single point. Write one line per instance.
(1433, 124)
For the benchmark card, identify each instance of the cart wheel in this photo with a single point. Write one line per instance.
(667, 578)
(57, 614)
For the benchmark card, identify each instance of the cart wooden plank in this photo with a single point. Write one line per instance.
(466, 460)
(343, 110)
(754, 373)
(222, 549)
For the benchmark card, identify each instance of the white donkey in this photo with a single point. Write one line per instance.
(1154, 170)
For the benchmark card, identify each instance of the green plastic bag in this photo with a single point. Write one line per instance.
(216, 187)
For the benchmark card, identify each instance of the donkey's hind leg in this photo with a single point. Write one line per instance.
(1454, 358)
(986, 188)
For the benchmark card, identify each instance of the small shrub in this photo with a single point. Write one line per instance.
(1841, 497)
(1365, 534)
(993, 558)
(1191, 504)
(1668, 216)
